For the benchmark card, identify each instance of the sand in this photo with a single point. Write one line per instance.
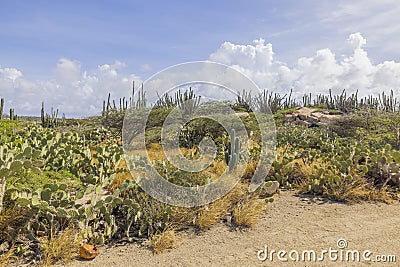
(291, 223)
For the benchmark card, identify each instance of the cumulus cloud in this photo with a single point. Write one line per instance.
(10, 74)
(356, 40)
(71, 90)
(67, 71)
(317, 74)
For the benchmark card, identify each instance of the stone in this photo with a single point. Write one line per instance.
(268, 191)
(289, 118)
(303, 123)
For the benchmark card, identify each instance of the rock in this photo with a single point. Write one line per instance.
(87, 251)
(312, 120)
(319, 115)
(268, 191)
(242, 114)
(303, 117)
(289, 118)
(304, 112)
(310, 117)
(303, 123)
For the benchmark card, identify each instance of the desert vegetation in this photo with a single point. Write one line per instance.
(65, 181)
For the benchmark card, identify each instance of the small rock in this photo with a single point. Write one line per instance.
(312, 120)
(268, 191)
(303, 117)
(289, 118)
(303, 123)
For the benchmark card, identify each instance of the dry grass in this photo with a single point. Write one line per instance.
(355, 191)
(217, 210)
(121, 176)
(247, 214)
(304, 170)
(62, 248)
(7, 257)
(250, 169)
(212, 214)
(13, 222)
(183, 218)
(164, 241)
(216, 169)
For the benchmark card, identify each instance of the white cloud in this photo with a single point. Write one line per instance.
(378, 20)
(73, 91)
(317, 73)
(356, 40)
(10, 74)
(67, 71)
(257, 56)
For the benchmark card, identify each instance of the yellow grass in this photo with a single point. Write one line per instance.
(121, 176)
(164, 241)
(63, 247)
(357, 190)
(247, 214)
(7, 257)
(214, 212)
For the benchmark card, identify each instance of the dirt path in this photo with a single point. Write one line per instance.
(291, 223)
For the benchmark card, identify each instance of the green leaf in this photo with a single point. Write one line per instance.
(79, 195)
(4, 172)
(45, 195)
(61, 212)
(35, 200)
(24, 202)
(396, 156)
(62, 187)
(89, 211)
(73, 213)
(108, 199)
(16, 166)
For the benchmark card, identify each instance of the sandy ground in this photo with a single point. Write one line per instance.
(291, 223)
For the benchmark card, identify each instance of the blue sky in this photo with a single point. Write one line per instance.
(41, 40)
(35, 34)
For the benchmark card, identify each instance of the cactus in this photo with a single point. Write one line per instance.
(12, 116)
(42, 118)
(1, 108)
(269, 102)
(186, 102)
(52, 120)
(232, 153)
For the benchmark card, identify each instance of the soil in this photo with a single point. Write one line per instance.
(292, 222)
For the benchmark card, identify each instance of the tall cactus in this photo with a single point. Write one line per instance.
(232, 154)
(42, 115)
(1, 108)
(51, 120)
(12, 116)
(188, 101)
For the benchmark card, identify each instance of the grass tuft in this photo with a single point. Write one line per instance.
(7, 257)
(247, 214)
(62, 248)
(164, 241)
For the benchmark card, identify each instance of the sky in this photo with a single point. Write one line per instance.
(71, 54)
